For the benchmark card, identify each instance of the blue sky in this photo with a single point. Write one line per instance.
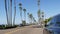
(50, 8)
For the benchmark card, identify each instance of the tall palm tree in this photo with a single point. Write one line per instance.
(30, 16)
(39, 17)
(39, 13)
(43, 19)
(20, 7)
(10, 14)
(38, 8)
(34, 20)
(6, 10)
(39, 4)
(14, 12)
(24, 13)
(42, 14)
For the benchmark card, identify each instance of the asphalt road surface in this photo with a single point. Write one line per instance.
(23, 30)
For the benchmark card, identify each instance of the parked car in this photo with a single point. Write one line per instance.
(54, 25)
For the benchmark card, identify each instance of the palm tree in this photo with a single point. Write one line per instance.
(30, 16)
(20, 6)
(39, 13)
(43, 19)
(10, 18)
(14, 12)
(39, 9)
(34, 20)
(39, 17)
(24, 14)
(6, 11)
(39, 4)
(42, 14)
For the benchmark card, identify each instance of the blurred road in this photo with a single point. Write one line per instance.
(23, 30)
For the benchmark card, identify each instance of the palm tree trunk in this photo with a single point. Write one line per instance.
(39, 15)
(21, 15)
(14, 12)
(25, 16)
(10, 17)
(20, 7)
(6, 11)
(28, 17)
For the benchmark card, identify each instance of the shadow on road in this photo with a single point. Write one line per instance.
(46, 32)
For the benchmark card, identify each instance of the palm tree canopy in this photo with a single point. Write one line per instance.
(24, 10)
(11, 2)
(42, 12)
(20, 4)
(20, 8)
(34, 19)
(30, 16)
(38, 0)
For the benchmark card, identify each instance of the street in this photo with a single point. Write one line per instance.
(23, 30)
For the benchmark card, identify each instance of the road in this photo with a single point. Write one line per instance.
(23, 30)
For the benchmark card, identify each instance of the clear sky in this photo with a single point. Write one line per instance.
(50, 8)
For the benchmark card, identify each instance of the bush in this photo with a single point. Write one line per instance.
(23, 23)
(7, 27)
